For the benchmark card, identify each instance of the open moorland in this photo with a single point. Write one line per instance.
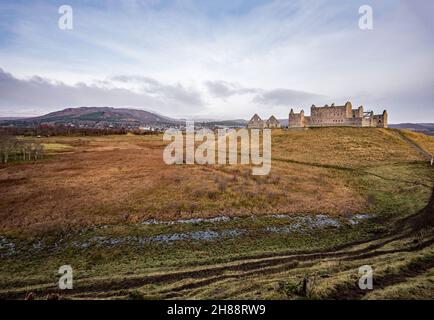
(133, 227)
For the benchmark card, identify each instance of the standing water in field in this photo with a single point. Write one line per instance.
(300, 223)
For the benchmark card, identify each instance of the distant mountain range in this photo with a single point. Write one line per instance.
(224, 123)
(427, 128)
(284, 122)
(96, 117)
(11, 118)
(103, 117)
(414, 126)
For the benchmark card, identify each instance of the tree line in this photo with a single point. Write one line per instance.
(12, 149)
(58, 130)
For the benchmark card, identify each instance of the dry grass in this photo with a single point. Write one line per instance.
(124, 179)
(425, 141)
(348, 147)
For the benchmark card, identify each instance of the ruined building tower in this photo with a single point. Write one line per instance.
(296, 120)
(337, 116)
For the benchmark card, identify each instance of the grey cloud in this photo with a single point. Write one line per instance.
(135, 79)
(223, 89)
(285, 97)
(276, 97)
(44, 95)
(155, 88)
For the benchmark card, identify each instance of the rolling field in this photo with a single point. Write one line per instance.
(133, 227)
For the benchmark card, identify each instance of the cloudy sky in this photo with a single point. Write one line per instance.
(221, 59)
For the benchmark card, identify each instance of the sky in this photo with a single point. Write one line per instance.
(218, 59)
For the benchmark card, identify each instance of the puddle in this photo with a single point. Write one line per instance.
(202, 235)
(183, 221)
(278, 229)
(322, 221)
(294, 224)
(357, 218)
(7, 247)
(280, 216)
(299, 223)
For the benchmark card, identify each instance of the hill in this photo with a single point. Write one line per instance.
(97, 117)
(237, 123)
(414, 126)
(426, 128)
(11, 118)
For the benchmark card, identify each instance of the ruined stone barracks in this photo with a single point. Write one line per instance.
(257, 123)
(337, 116)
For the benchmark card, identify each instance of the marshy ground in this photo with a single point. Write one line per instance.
(133, 227)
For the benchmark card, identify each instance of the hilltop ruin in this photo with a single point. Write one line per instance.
(336, 116)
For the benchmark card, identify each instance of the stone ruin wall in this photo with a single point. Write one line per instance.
(297, 120)
(336, 116)
(380, 120)
(256, 123)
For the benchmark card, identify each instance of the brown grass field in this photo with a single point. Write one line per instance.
(121, 181)
(124, 179)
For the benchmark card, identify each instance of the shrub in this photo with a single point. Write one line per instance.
(222, 184)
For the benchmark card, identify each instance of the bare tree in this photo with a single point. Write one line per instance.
(7, 145)
(12, 148)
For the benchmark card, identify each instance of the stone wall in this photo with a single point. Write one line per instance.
(257, 123)
(337, 116)
(296, 120)
(272, 123)
(380, 120)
